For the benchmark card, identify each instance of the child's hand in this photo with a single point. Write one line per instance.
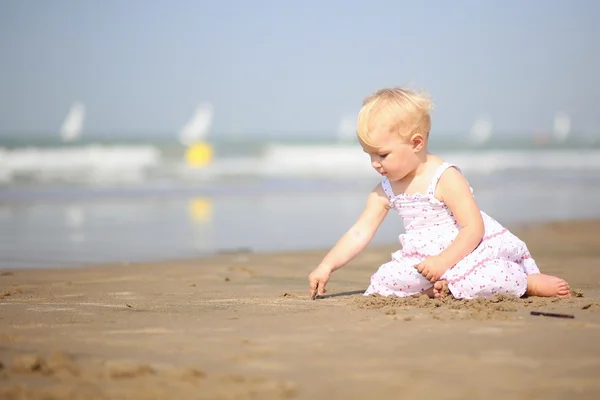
(317, 280)
(432, 268)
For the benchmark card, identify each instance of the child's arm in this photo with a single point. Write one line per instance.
(453, 189)
(352, 242)
(358, 237)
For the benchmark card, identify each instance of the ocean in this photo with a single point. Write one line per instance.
(101, 200)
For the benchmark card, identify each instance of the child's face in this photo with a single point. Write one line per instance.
(391, 155)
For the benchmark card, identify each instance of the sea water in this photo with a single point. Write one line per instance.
(102, 200)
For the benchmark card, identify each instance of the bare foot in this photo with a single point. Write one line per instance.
(547, 286)
(440, 289)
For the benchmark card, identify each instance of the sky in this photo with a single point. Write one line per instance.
(295, 67)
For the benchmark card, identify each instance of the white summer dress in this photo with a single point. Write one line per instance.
(499, 265)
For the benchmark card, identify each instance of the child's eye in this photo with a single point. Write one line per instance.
(384, 155)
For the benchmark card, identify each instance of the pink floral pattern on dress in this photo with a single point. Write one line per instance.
(499, 265)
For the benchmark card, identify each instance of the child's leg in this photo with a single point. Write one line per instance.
(486, 279)
(537, 285)
(542, 285)
(399, 279)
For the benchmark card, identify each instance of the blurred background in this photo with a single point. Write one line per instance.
(138, 131)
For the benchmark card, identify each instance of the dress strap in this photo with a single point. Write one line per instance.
(387, 188)
(436, 177)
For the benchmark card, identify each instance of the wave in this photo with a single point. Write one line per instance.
(86, 164)
(114, 164)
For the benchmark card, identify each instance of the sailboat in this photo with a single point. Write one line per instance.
(562, 126)
(193, 135)
(481, 131)
(73, 124)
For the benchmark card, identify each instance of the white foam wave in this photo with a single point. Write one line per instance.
(504, 160)
(96, 164)
(323, 160)
(351, 161)
(90, 164)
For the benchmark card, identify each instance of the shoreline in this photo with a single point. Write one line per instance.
(242, 251)
(241, 326)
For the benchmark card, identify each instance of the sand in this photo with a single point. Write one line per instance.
(241, 326)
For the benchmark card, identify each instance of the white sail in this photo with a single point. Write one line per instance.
(562, 126)
(347, 128)
(481, 131)
(73, 123)
(198, 126)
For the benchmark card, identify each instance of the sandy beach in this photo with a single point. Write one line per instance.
(241, 326)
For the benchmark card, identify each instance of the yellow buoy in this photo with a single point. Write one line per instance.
(199, 154)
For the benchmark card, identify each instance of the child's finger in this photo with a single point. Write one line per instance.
(321, 290)
(314, 284)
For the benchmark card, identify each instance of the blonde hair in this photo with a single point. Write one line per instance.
(398, 110)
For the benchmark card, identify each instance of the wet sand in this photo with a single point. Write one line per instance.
(241, 326)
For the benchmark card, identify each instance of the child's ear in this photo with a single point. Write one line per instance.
(418, 142)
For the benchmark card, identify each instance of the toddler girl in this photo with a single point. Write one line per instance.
(448, 244)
